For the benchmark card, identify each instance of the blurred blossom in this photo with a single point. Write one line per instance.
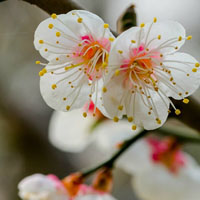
(157, 183)
(40, 187)
(70, 131)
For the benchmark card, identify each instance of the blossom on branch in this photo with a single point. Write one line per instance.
(40, 187)
(76, 46)
(145, 70)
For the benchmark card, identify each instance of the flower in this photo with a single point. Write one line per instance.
(41, 187)
(69, 131)
(145, 70)
(158, 183)
(76, 45)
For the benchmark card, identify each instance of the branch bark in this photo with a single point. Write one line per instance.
(55, 6)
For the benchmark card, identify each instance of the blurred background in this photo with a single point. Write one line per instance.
(24, 116)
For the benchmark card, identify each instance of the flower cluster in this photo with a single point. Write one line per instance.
(135, 74)
(40, 187)
(159, 168)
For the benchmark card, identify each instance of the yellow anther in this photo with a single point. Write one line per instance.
(134, 127)
(58, 34)
(64, 98)
(197, 64)
(37, 62)
(177, 112)
(189, 37)
(41, 41)
(120, 51)
(57, 42)
(84, 114)
(161, 55)
(142, 25)
(120, 107)
(117, 72)
(79, 20)
(94, 115)
(186, 101)
(159, 37)
(179, 38)
(44, 70)
(186, 93)
(46, 50)
(154, 19)
(115, 119)
(176, 48)
(158, 121)
(104, 89)
(41, 73)
(50, 26)
(130, 119)
(104, 65)
(68, 107)
(111, 39)
(194, 69)
(57, 59)
(54, 86)
(54, 16)
(66, 68)
(106, 25)
(133, 41)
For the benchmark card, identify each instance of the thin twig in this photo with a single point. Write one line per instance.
(110, 162)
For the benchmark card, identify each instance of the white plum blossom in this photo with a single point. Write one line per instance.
(145, 70)
(40, 187)
(76, 46)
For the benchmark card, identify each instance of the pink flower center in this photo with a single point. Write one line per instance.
(139, 67)
(93, 55)
(167, 152)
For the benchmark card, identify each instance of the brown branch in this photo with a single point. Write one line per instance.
(55, 6)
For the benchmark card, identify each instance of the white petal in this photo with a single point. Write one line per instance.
(141, 116)
(158, 183)
(186, 85)
(168, 30)
(92, 24)
(38, 187)
(96, 197)
(49, 37)
(70, 131)
(71, 32)
(113, 97)
(36, 183)
(54, 97)
(122, 43)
